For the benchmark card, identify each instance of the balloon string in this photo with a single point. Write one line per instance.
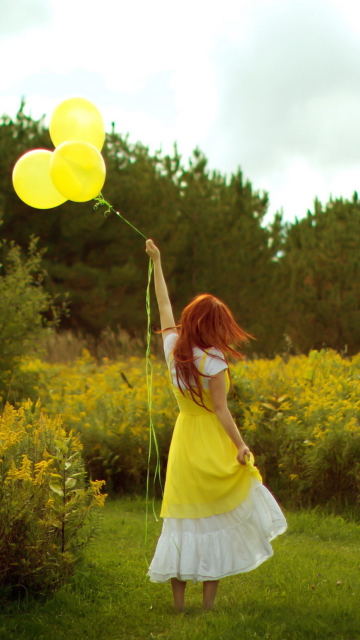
(152, 433)
(100, 201)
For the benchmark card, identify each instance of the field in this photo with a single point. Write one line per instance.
(308, 590)
(300, 416)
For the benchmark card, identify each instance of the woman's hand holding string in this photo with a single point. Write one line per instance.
(152, 250)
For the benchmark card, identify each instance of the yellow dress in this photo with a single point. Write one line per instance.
(219, 519)
(203, 476)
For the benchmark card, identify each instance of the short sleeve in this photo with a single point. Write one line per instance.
(169, 344)
(215, 362)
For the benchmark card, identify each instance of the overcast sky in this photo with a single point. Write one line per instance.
(270, 86)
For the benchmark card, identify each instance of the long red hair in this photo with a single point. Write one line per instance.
(205, 322)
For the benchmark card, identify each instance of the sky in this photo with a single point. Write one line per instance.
(268, 86)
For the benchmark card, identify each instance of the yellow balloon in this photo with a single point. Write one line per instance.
(78, 171)
(77, 119)
(32, 181)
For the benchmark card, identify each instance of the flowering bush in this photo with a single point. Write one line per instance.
(301, 418)
(108, 406)
(44, 504)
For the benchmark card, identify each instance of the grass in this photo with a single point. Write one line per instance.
(309, 589)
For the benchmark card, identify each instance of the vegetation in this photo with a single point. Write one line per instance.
(298, 280)
(321, 263)
(301, 418)
(107, 406)
(44, 503)
(23, 300)
(286, 598)
(294, 287)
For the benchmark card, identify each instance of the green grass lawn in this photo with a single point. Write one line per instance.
(309, 589)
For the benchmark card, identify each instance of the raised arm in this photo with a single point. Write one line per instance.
(217, 386)
(165, 309)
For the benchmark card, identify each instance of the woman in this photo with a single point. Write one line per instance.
(218, 517)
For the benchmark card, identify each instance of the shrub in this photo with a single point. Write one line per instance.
(107, 405)
(45, 507)
(22, 303)
(301, 419)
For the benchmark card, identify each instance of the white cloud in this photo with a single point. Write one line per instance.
(270, 85)
(290, 91)
(18, 16)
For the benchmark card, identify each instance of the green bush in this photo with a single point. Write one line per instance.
(107, 405)
(45, 507)
(302, 420)
(23, 302)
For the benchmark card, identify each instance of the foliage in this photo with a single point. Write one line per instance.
(321, 265)
(301, 418)
(45, 507)
(110, 597)
(211, 231)
(22, 303)
(108, 406)
(298, 280)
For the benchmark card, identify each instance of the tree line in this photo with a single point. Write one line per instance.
(293, 286)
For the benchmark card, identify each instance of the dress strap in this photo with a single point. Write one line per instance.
(169, 367)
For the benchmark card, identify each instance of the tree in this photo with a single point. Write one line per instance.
(226, 249)
(98, 260)
(322, 266)
(210, 231)
(22, 303)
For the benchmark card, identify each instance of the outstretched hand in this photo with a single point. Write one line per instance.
(152, 250)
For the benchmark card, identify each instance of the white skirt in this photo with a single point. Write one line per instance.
(223, 545)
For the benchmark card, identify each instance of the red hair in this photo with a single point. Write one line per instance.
(206, 322)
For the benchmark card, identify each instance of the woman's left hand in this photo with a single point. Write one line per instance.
(242, 452)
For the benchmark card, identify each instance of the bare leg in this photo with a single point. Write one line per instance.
(209, 593)
(178, 588)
